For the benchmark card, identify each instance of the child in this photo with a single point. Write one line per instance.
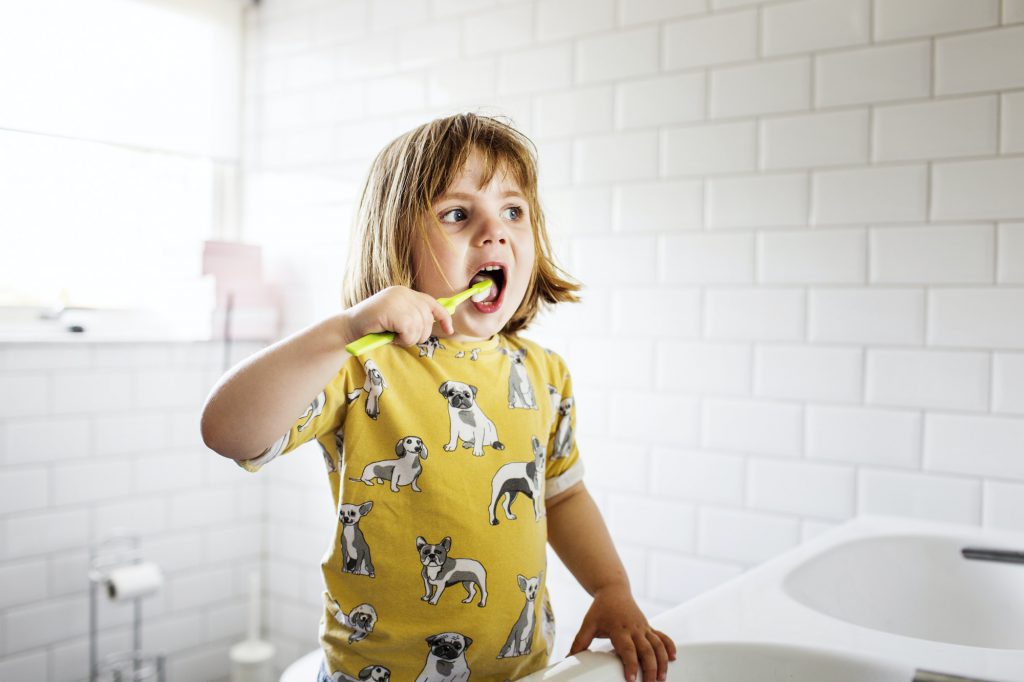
(449, 452)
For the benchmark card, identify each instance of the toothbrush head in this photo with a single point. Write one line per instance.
(480, 289)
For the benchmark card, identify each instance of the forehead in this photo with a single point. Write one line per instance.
(470, 179)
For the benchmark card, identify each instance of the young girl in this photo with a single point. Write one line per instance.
(450, 452)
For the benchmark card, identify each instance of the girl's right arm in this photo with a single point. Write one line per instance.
(262, 396)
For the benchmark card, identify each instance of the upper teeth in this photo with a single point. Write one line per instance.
(490, 267)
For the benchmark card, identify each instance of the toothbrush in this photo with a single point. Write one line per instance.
(378, 339)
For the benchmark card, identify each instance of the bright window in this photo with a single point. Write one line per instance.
(118, 148)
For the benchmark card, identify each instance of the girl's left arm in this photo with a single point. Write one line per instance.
(581, 540)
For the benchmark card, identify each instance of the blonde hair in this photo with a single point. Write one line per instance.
(405, 179)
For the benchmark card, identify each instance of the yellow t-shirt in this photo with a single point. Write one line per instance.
(440, 457)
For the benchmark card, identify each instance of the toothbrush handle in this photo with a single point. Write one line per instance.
(378, 339)
(369, 342)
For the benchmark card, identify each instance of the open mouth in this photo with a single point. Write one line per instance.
(496, 294)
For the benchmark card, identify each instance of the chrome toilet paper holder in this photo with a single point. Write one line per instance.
(135, 665)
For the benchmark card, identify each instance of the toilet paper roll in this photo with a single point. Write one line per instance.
(135, 580)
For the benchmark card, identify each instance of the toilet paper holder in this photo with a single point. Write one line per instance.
(119, 550)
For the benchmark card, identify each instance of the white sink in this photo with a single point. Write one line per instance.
(874, 597)
(738, 662)
(918, 586)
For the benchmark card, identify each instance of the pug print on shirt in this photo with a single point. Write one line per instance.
(440, 457)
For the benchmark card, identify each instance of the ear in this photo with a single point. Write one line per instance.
(468, 641)
(447, 544)
(473, 388)
(420, 542)
(398, 447)
(522, 582)
(364, 508)
(444, 389)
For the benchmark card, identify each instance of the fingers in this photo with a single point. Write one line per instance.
(670, 646)
(660, 653)
(583, 639)
(624, 647)
(443, 317)
(647, 651)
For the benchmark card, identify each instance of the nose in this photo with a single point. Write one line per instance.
(492, 229)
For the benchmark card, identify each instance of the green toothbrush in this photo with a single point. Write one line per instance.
(378, 339)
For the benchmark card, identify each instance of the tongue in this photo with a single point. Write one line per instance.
(492, 293)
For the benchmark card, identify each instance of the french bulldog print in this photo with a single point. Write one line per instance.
(315, 409)
(361, 620)
(373, 386)
(466, 420)
(520, 390)
(441, 571)
(429, 346)
(519, 477)
(355, 553)
(563, 436)
(371, 673)
(520, 640)
(402, 471)
(446, 661)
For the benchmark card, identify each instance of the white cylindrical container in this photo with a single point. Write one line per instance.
(252, 660)
(133, 581)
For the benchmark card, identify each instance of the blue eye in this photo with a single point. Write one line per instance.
(446, 213)
(518, 210)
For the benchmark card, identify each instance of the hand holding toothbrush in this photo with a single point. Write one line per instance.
(404, 316)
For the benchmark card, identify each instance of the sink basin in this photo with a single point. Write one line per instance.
(738, 662)
(916, 586)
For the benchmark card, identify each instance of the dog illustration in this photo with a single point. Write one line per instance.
(519, 477)
(520, 640)
(374, 386)
(429, 346)
(467, 421)
(315, 409)
(361, 619)
(441, 571)
(355, 553)
(373, 673)
(520, 390)
(563, 437)
(402, 471)
(461, 354)
(446, 661)
(474, 354)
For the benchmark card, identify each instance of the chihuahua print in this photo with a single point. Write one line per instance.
(520, 640)
(355, 553)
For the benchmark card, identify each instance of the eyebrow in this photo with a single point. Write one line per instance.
(463, 195)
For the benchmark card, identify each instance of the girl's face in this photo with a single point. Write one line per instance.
(485, 226)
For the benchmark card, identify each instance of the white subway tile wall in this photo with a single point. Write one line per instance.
(801, 219)
(100, 437)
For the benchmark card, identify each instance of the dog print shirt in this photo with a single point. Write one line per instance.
(440, 457)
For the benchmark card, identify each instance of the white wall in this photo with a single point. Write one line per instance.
(96, 436)
(800, 224)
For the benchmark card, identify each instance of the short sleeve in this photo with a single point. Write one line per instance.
(324, 415)
(563, 468)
